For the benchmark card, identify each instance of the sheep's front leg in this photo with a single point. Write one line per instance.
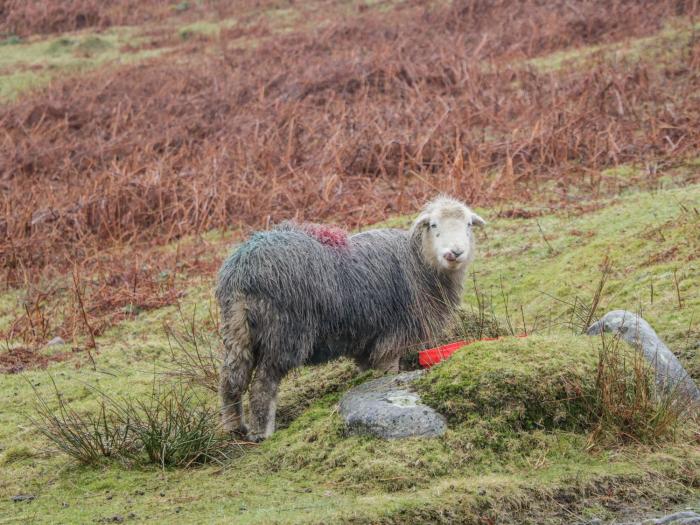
(389, 364)
(363, 362)
(385, 356)
(263, 403)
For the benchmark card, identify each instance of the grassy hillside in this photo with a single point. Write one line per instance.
(140, 139)
(518, 447)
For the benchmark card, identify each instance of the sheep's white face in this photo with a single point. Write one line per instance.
(448, 241)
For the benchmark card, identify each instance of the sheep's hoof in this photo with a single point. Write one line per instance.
(239, 434)
(255, 438)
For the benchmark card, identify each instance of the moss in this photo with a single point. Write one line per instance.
(542, 382)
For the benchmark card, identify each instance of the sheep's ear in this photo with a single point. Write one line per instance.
(423, 221)
(477, 221)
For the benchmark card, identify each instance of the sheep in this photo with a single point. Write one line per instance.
(307, 293)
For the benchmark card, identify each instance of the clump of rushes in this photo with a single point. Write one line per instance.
(175, 429)
(89, 438)
(171, 427)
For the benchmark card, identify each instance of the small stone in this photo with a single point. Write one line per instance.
(23, 497)
(162, 494)
(56, 341)
(65, 505)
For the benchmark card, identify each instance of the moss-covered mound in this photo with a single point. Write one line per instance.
(539, 382)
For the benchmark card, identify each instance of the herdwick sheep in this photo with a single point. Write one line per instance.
(306, 293)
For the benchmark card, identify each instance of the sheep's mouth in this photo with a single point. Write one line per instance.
(453, 264)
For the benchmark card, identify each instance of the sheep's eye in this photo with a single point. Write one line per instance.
(433, 225)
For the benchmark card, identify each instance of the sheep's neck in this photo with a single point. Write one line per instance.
(439, 289)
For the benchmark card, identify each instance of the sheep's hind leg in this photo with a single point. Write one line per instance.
(232, 384)
(263, 402)
(236, 370)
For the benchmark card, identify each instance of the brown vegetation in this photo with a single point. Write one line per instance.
(15, 360)
(344, 122)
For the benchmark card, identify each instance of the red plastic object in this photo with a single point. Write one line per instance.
(432, 356)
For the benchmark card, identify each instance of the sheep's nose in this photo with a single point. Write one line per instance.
(453, 255)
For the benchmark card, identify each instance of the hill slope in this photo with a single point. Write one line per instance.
(511, 466)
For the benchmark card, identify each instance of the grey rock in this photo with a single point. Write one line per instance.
(670, 373)
(389, 408)
(688, 516)
(677, 518)
(56, 341)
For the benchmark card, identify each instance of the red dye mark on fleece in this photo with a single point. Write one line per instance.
(328, 235)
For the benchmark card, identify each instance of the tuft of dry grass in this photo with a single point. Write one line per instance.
(629, 407)
(90, 437)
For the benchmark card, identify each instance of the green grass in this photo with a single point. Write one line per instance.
(517, 443)
(673, 37)
(652, 239)
(31, 64)
(311, 471)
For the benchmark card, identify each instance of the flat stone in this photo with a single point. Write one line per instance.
(389, 408)
(56, 341)
(670, 373)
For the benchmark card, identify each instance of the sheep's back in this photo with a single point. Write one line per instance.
(364, 287)
(288, 269)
